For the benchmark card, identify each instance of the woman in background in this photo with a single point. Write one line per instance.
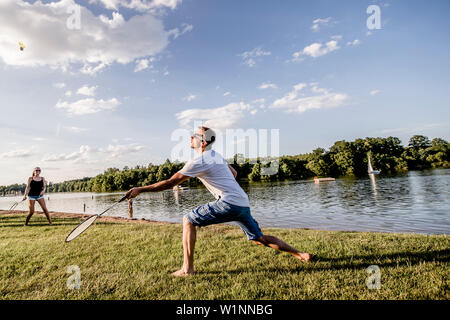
(35, 190)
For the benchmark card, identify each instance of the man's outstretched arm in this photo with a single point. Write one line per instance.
(176, 179)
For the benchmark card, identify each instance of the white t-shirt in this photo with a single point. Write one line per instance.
(212, 170)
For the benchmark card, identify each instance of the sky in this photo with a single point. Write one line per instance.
(115, 83)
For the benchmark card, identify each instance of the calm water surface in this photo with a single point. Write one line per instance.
(417, 202)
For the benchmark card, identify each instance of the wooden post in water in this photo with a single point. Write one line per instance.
(130, 208)
(84, 207)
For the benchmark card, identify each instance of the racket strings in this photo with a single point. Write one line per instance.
(88, 222)
(81, 228)
(15, 205)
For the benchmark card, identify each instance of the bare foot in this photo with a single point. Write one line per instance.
(182, 273)
(304, 257)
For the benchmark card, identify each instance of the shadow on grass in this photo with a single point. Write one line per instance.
(434, 255)
(39, 221)
(34, 224)
(397, 259)
(360, 262)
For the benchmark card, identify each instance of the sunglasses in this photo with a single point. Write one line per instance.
(198, 136)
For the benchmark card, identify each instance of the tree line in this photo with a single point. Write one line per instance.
(342, 159)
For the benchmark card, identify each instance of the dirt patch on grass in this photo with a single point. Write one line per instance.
(85, 216)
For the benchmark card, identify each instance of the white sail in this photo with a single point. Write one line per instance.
(370, 169)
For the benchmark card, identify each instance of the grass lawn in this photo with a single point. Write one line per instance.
(134, 261)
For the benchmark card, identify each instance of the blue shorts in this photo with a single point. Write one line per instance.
(220, 211)
(35, 197)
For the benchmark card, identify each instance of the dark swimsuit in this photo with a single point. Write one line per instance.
(36, 188)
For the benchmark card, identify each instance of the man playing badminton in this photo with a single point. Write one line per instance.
(231, 203)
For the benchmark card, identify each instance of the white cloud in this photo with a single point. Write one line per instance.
(88, 106)
(116, 151)
(249, 57)
(299, 86)
(88, 154)
(336, 37)
(59, 85)
(318, 23)
(139, 5)
(413, 130)
(316, 50)
(97, 44)
(116, 21)
(176, 32)
(353, 43)
(267, 86)
(143, 64)
(19, 153)
(75, 129)
(261, 102)
(87, 91)
(374, 92)
(226, 93)
(68, 93)
(315, 88)
(83, 153)
(190, 97)
(294, 101)
(186, 28)
(93, 70)
(220, 118)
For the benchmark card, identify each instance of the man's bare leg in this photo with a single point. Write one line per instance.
(277, 244)
(189, 237)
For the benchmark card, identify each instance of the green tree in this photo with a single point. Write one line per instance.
(419, 142)
(255, 174)
(320, 162)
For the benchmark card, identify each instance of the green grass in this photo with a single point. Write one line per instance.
(134, 261)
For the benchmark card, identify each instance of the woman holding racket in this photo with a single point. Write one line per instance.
(35, 190)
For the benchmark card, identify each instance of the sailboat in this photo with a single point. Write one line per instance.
(371, 171)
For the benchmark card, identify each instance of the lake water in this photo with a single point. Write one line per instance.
(416, 202)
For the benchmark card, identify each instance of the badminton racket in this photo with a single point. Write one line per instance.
(83, 226)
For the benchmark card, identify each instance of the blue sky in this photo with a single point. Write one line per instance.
(112, 92)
